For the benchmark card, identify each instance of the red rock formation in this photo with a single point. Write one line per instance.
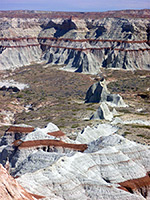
(45, 143)
(57, 134)
(74, 40)
(139, 184)
(92, 48)
(17, 129)
(17, 39)
(11, 190)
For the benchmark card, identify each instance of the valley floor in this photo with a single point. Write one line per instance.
(58, 96)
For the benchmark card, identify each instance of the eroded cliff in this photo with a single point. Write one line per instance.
(81, 44)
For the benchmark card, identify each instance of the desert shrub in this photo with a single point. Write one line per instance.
(127, 133)
(140, 126)
(75, 125)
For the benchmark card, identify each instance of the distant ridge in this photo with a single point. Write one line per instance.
(144, 13)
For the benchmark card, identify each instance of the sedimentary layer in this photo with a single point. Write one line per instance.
(110, 167)
(10, 189)
(80, 44)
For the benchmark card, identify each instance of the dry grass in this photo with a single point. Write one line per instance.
(58, 96)
(55, 95)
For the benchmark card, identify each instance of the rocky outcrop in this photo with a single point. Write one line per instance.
(12, 86)
(15, 133)
(98, 92)
(111, 167)
(103, 112)
(18, 53)
(21, 141)
(83, 44)
(101, 172)
(11, 190)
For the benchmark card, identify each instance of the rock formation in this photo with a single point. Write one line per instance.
(12, 86)
(99, 163)
(109, 167)
(11, 190)
(23, 142)
(103, 112)
(81, 42)
(98, 92)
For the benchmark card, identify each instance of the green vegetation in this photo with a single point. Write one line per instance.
(75, 126)
(92, 109)
(140, 126)
(53, 95)
(127, 133)
(143, 136)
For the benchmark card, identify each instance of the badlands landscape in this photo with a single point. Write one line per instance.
(74, 105)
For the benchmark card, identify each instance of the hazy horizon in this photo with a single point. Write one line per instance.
(74, 5)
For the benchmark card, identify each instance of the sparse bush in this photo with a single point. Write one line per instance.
(140, 126)
(127, 133)
(140, 135)
(75, 125)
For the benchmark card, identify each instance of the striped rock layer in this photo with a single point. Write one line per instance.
(99, 164)
(11, 190)
(81, 44)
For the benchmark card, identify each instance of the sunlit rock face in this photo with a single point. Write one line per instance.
(103, 112)
(98, 92)
(112, 167)
(99, 164)
(23, 145)
(10, 189)
(82, 44)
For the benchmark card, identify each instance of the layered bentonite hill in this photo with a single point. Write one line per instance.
(96, 162)
(99, 164)
(82, 42)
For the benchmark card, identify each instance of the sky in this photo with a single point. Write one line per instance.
(74, 5)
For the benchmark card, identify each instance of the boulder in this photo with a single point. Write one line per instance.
(115, 100)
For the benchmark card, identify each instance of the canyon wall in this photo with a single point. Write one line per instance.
(81, 44)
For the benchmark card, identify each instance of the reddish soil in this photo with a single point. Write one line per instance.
(57, 143)
(136, 184)
(57, 134)
(17, 129)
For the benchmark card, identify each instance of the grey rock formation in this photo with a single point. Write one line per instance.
(96, 174)
(103, 112)
(98, 92)
(83, 45)
(12, 86)
(102, 171)
(23, 160)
